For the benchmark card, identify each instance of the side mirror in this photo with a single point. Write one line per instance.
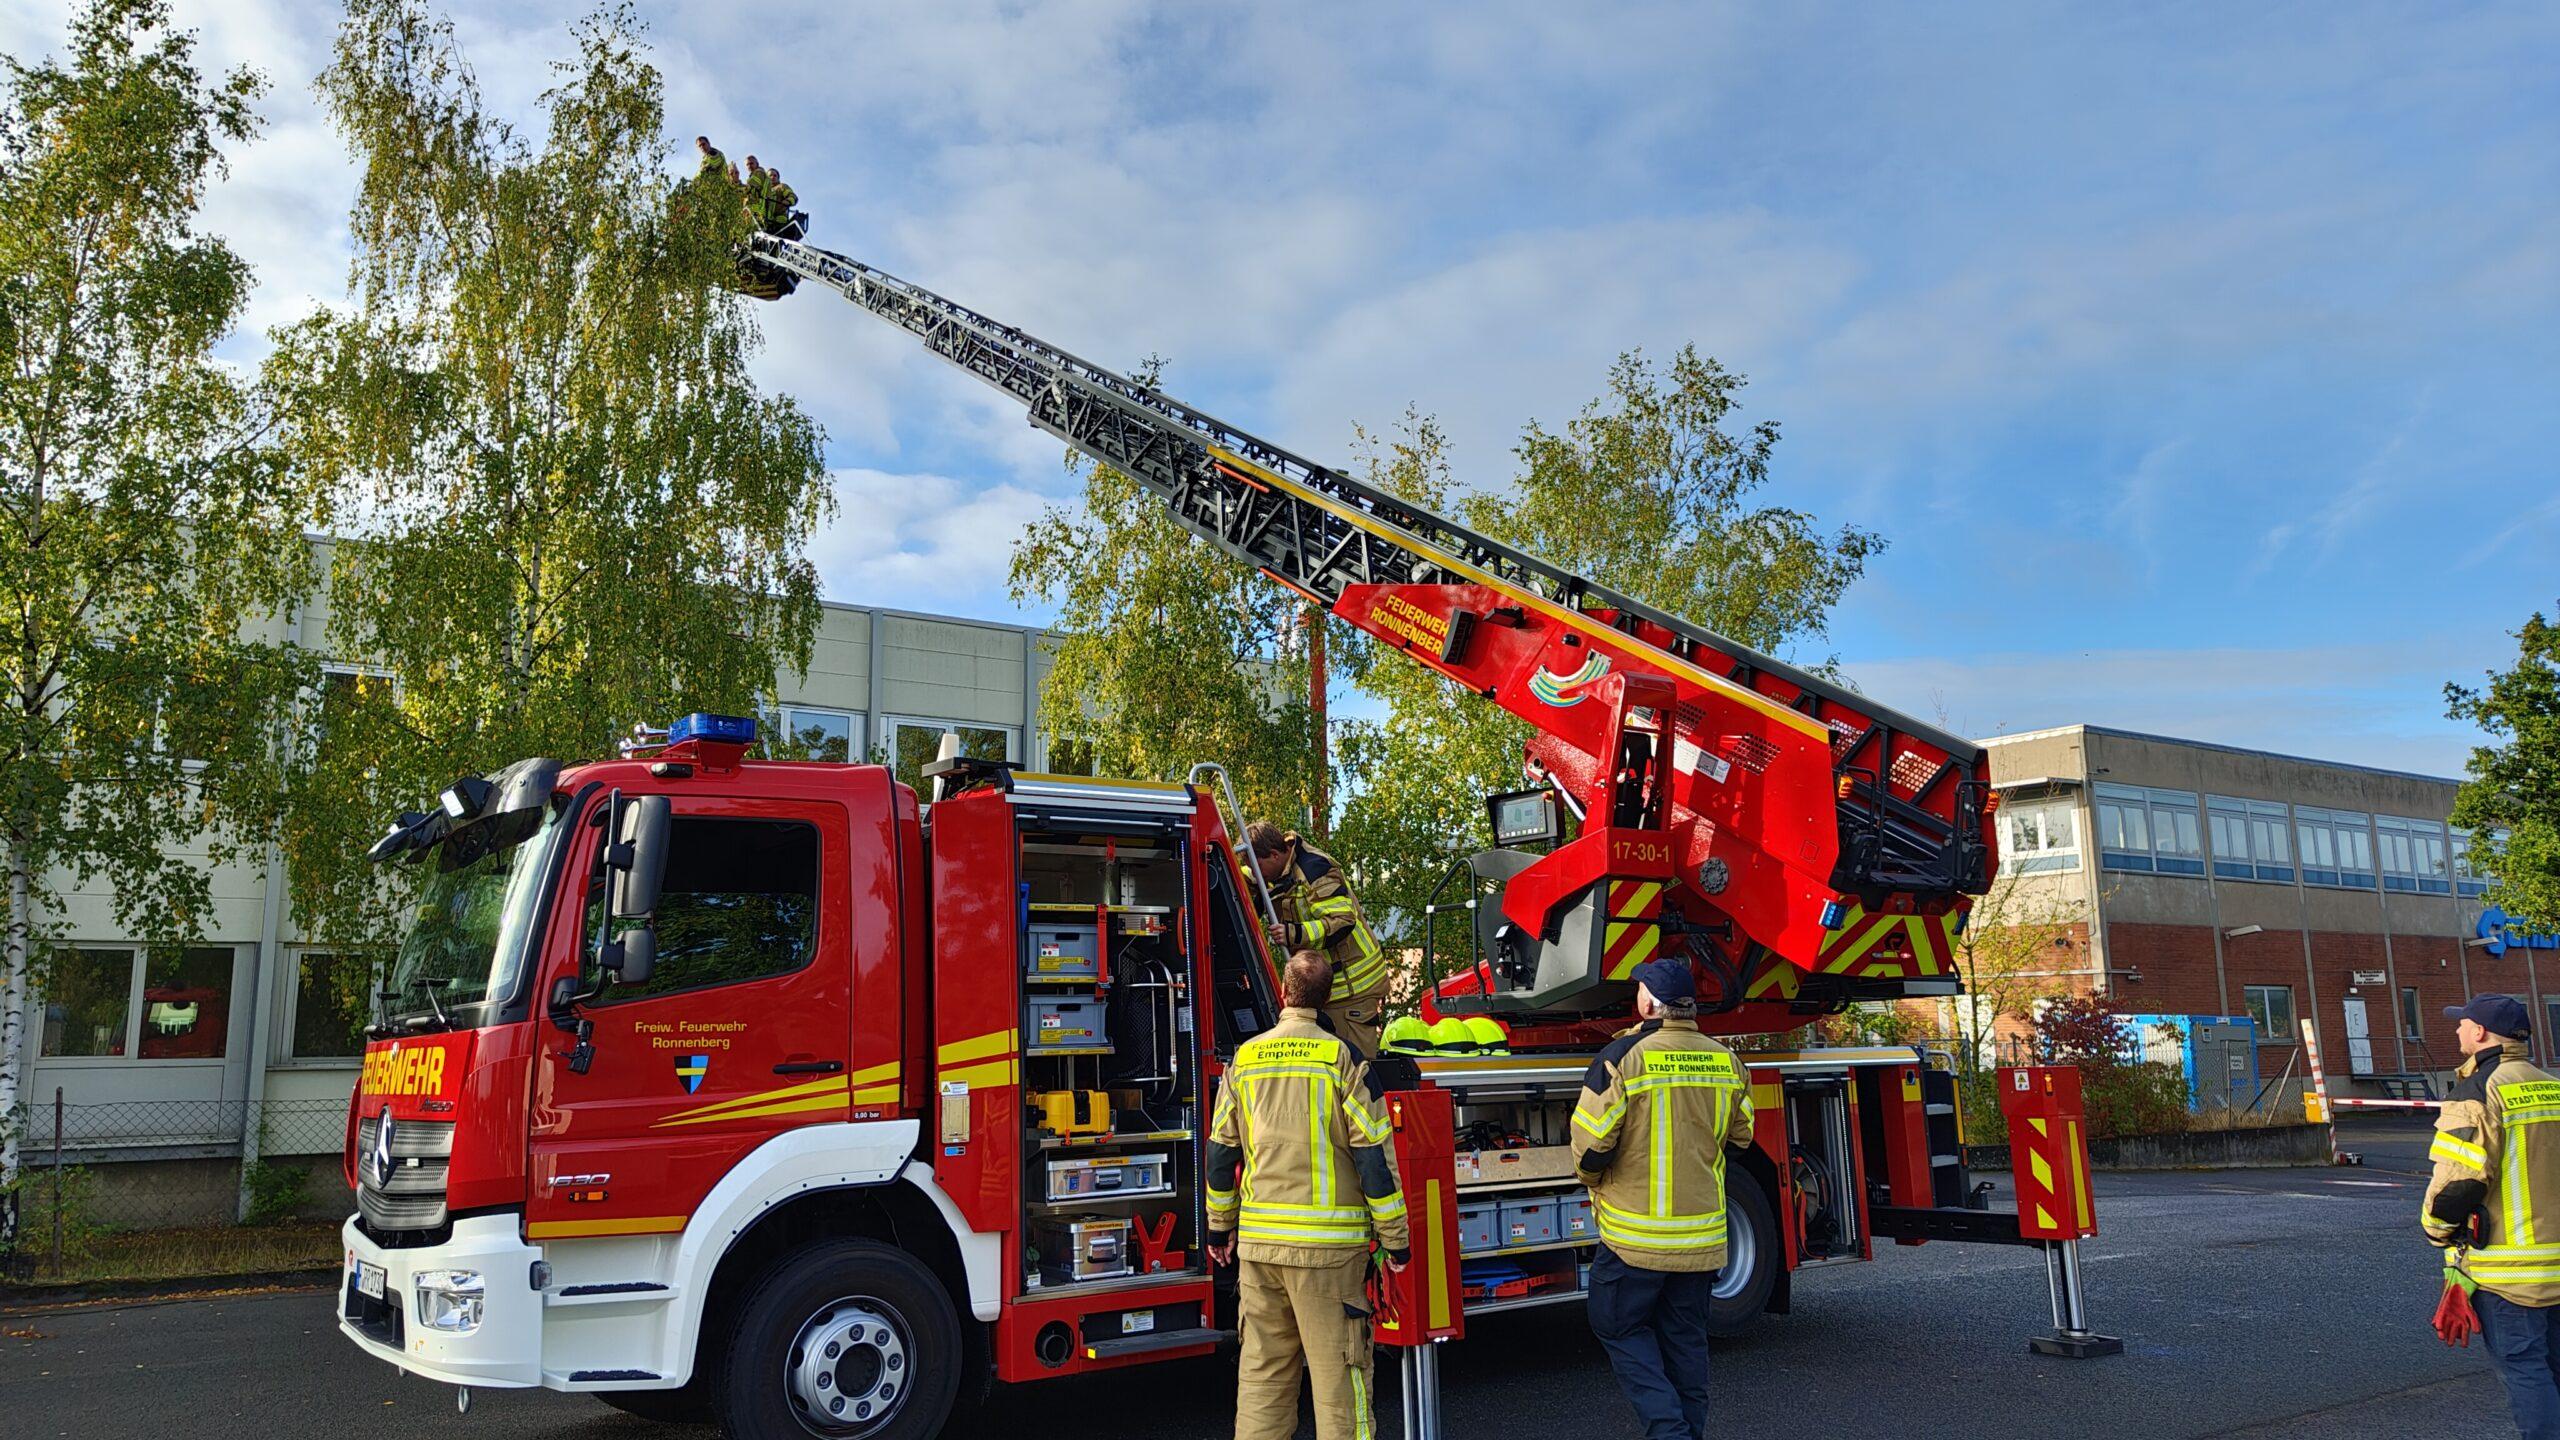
(639, 857)
(636, 863)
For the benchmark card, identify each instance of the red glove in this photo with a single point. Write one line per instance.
(2456, 1321)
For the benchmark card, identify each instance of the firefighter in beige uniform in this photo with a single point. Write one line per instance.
(1319, 912)
(2495, 1200)
(1659, 1105)
(1301, 1177)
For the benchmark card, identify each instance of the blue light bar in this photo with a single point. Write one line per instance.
(723, 729)
(1833, 912)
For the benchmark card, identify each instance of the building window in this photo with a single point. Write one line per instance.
(185, 1010)
(2155, 831)
(88, 997)
(2271, 1006)
(2039, 836)
(329, 1005)
(2251, 840)
(2409, 1026)
(2337, 847)
(802, 732)
(913, 743)
(2466, 880)
(2413, 855)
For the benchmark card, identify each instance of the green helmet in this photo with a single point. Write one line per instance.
(1449, 1036)
(1488, 1035)
(1407, 1035)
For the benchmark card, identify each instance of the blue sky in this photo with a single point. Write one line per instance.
(2198, 361)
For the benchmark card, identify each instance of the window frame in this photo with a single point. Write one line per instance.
(606, 997)
(2253, 1005)
(2047, 859)
(136, 1009)
(2338, 826)
(2153, 805)
(890, 725)
(2467, 882)
(2415, 837)
(857, 724)
(2413, 1024)
(285, 1055)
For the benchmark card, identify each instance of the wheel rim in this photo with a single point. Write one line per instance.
(850, 1367)
(1741, 1258)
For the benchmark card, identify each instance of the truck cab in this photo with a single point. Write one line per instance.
(764, 1092)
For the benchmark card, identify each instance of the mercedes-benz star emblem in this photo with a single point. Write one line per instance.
(382, 1161)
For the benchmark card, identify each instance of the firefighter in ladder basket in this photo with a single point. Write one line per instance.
(1319, 912)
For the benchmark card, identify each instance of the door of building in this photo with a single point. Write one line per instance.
(2359, 1038)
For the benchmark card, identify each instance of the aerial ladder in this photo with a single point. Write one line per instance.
(1802, 845)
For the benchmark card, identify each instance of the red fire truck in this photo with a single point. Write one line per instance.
(766, 1090)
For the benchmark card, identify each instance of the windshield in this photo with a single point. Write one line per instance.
(469, 937)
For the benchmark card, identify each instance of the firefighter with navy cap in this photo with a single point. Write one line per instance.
(1659, 1106)
(2494, 1201)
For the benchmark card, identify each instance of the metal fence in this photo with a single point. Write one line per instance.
(96, 1178)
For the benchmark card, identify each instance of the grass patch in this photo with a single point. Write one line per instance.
(185, 1253)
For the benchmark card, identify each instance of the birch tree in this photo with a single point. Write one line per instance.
(153, 536)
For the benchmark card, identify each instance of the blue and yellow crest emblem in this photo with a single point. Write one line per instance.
(691, 1069)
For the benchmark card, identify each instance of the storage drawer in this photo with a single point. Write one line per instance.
(1573, 1218)
(1528, 1222)
(1062, 952)
(1065, 1023)
(1108, 1176)
(1476, 1222)
(1085, 1247)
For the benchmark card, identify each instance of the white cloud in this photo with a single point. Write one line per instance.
(905, 540)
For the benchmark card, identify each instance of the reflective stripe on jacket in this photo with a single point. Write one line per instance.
(1301, 1159)
(1319, 912)
(1659, 1106)
(2497, 1151)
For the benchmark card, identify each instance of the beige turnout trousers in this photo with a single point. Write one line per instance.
(1315, 1315)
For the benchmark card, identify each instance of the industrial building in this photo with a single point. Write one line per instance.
(2204, 879)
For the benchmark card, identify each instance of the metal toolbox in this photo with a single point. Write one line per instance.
(1476, 1222)
(1573, 1217)
(1062, 1023)
(1082, 1247)
(1528, 1222)
(1109, 1176)
(1063, 952)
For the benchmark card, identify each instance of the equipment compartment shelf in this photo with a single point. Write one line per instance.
(1095, 1142)
(1552, 1297)
(1087, 1202)
(1528, 1249)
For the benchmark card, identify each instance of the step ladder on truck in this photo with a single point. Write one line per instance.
(780, 1093)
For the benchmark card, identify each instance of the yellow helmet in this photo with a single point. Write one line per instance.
(1449, 1036)
(1488, 1035)
(1407, 1035)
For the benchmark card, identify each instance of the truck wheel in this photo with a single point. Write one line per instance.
(846, 1340)
(683, 1405)
(1753, 1256)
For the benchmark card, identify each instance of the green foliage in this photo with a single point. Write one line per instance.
(2513, 794)
(153, 534)
(1169, 653)
(2146, 1097)
(277, 1193)
(575, 509)
(50, 1201)
(1649, 491)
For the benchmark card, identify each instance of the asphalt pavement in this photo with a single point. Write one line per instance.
(2288, 1303)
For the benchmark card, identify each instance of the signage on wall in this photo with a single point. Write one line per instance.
(2367, 977)
(2502, 933)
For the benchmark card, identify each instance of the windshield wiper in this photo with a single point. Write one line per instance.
(429, 985)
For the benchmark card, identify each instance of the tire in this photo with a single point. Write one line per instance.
(898, 1352)
(684, 1405)
(1754, 1256)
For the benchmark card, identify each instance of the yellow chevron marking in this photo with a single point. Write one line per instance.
(1877, 929)
(2041, 1168)
(635, 1225)
(834, 1100)
(991, 1072)
(994, 1042)
(832, 1084)
(2044, 1219)
(1765, 1094)
(876, 1072)
(1881, 969)
(1406, 540)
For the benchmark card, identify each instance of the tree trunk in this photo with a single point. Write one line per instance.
(13, 1027)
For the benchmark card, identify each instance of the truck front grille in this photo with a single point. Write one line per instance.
(413, 1197)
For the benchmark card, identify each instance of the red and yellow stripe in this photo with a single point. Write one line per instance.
(1635, 926)
(1889, 946)
(877, 1085)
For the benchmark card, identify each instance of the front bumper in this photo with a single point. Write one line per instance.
(504, 1351)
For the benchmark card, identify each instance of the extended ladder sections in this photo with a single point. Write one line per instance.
(1912, 802)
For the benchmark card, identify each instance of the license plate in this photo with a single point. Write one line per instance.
(1137, 1322)
(369, 1280)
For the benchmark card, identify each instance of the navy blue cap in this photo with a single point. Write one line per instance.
(1668, 980)
(2498, 1014)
